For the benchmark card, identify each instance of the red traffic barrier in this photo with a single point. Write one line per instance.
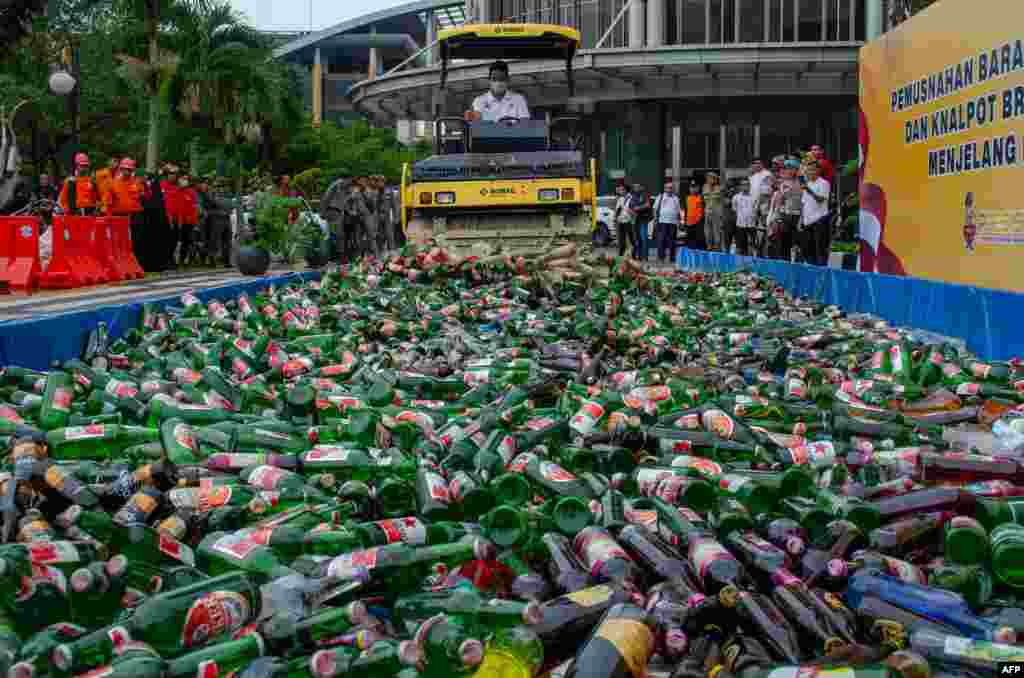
(68, 266)
(103, 249)
(83, 247)
(124, 254)
(19, 252)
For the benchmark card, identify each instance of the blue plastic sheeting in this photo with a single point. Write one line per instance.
(989, 321)
(36, 342)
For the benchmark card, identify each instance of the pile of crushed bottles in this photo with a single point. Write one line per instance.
(435, 467)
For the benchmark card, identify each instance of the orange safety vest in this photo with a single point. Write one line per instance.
(125, 196)
(694, 209)
(85, 193)
(104, 180)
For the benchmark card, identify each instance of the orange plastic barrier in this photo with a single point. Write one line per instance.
(124, 255)
(103, 249)
(70, 265)
(19, 252)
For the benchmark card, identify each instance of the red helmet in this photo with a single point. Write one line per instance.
(81, 160)
(128, 164)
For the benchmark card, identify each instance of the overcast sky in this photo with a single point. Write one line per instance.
(294, 14)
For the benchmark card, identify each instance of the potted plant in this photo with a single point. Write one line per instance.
(268, 233)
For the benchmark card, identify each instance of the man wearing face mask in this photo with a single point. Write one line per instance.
(498, 102)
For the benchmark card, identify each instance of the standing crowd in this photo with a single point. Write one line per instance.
(784, 211)
(364, 216)
(175, 221)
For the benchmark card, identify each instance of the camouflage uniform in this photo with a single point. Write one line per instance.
(332, 210)
(371, 219)
(357, 216)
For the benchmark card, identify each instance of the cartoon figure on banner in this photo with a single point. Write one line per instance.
(970, 229)
(875, 255)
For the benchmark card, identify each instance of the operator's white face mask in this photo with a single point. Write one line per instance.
(498, 88)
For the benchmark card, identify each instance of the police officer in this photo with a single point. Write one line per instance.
(332, 210)
(356, 216)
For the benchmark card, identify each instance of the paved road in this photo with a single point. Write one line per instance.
(49, 302)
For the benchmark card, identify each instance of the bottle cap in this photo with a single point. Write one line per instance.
(22, 670)
(82, 580)
(472, 652)
(62, 656)
(795, 546)
(117, 566)
(323, 664)
(408, 653)
(533, 614)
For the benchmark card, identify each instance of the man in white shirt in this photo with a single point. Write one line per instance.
(743, 205)
(814, 219)
(668, 214)
(498, 102)
(758, 176)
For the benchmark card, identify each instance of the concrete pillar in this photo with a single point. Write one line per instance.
(677, 158)
(636, 24)
(873, 19)
(374, 64)
(757, 141)
(430, 56)
(317, 82)
(655, 23)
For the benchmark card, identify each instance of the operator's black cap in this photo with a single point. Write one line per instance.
(500, 66)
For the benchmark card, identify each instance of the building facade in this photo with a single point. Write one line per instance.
(667, 88)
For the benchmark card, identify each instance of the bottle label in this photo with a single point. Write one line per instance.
(61, 400)
(409, 530)
(540, 423)
(598, 548)
(266, 477)
(666, 446)
(688, 422)
(647, 479)
(101, 672)
(554, 473)
(690, 515)
(647, 519)
(908, 572)
(236, 545)
(702, 465)
(796, 388)
(121, 389)
(951, 370)
(586, 419)
(634, 641)
(720, 423)
(215, 614)
(520, 463)
(327, 453)
(671, 488)
(732, 483)
(655, 394)
(595, 595)
(968, 389)
(271, 434)
(184, 435)
(353, 565)
(437, 487)
(813, 453)
(704, 551)
(811, 672)
(981, 370)
(44, 552)
(44, 574)
(84, 432)
(760, 544)
(419, 419)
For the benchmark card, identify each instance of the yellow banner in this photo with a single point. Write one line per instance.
(942, 146)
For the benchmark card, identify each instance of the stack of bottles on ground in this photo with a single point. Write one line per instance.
(438, 467)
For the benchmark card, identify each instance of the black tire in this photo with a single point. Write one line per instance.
(253, 260)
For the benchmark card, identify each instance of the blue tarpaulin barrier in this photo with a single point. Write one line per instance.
(989, 321)
(36, 342)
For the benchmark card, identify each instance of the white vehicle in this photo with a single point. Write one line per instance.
(604, 235)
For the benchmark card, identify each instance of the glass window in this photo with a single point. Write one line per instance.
(729, 21)
(840, 20)
(751, 20)
(859, 27)
(672, 23)
(788, 21)
(716, 20)
(739, 139)
(693, 22)
(588, 24)
(774, 20)
(810, 21)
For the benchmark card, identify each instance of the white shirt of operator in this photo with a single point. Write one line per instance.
(493, 109)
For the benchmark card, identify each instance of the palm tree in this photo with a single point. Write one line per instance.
(226, 81)
(160, 64)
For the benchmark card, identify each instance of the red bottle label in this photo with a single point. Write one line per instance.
(214, 615)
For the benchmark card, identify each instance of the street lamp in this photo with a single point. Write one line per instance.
(62, 83)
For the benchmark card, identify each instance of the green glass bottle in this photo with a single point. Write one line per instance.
(221, 552)
(57, 399)
(221, 659)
